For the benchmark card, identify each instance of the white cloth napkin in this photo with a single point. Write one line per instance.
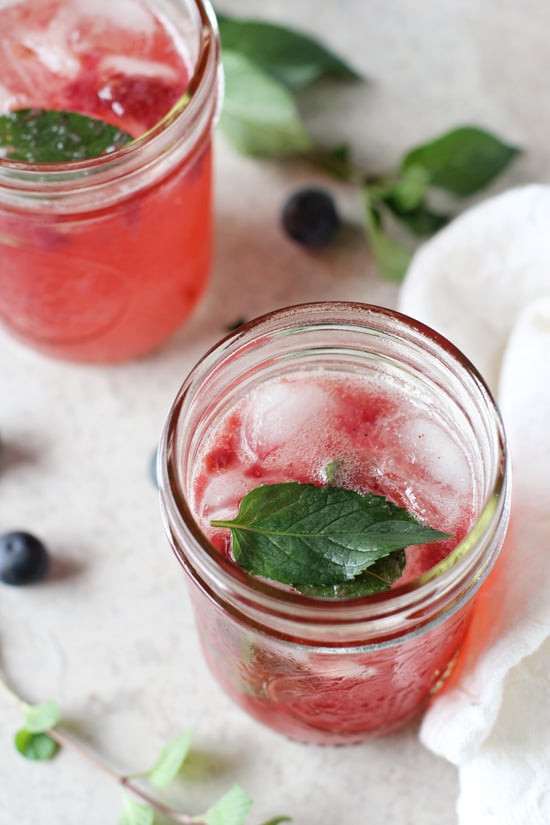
(484, 282)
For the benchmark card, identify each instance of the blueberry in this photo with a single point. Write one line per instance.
(23, 558)
(310, 218)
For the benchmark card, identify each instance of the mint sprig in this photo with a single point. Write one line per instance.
(48, 136)
(42, 737)
(318, 537)
(269, 67)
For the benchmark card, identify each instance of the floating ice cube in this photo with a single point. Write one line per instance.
(134, 66)
(223, 493)
(51, 51)
(279, 413)
(130, 15)
(429, 446)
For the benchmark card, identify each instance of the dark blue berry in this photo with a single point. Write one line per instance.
(23, 558)
(310, 218)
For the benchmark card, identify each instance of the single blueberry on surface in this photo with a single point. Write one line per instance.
(23, 558)
(310, 218)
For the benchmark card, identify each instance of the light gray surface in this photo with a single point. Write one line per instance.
(110, 635)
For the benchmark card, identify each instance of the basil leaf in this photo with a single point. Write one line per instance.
(390, 257)
(461, 161)
(35, 746)
(170, 761)
(289, 56)
(259, 114)
(42, 717)
(44, 136)
(231, 809)
(301, 534)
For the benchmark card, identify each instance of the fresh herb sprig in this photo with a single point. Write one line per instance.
(324, 540)
(41, 738)
(267, 66)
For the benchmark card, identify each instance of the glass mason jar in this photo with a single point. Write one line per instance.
(102, 259)
(335, 670)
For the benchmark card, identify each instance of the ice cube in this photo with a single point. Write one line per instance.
(135, 67)
(50, 48)
(129, 15)
(430, 447)
(223, 493)
(280, 412)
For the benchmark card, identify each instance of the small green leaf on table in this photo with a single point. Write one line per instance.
(45, 136)
(291, 57)
(136, 813)
(230, 809)
(462, 161)
(43, 717)
(259, 115)
(391, 258)
(277, 820)
(170, 760)
(35, 746)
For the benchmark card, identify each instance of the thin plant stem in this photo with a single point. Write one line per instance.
(126, 782)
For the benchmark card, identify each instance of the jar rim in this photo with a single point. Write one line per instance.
(20, 174)
(177, 513)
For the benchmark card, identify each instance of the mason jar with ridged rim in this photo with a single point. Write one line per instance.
(334, 670)
(104, 258)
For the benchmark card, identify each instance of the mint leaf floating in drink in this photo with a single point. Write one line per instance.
(309, 536)
(44, 136)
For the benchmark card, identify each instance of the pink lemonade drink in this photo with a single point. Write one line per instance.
(382, 405)
(103, 258)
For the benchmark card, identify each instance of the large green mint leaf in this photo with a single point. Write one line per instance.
(293, 58)
(259, 114)
(231, 809)
(463, 160)
(301, 534)
(44, 136)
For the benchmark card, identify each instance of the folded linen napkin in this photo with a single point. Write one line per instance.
(484, 282)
